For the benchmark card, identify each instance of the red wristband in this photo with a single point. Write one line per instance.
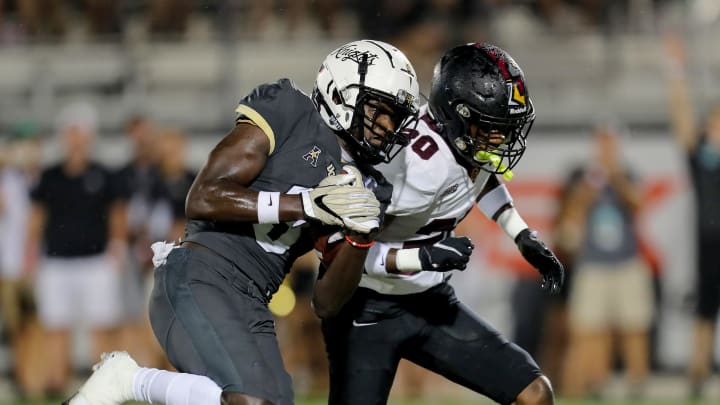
(358, 244)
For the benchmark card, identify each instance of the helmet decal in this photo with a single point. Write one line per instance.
(350, 52)
(516, 102)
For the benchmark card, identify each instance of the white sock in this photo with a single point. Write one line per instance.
(171, 388)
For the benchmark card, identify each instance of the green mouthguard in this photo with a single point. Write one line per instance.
(495, 160)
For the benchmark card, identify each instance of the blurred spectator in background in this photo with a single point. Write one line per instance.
(36, 19)
(607, 16)
(168, 19)
(529, 303)
(155, 182)
(138, 183)
(103, 17)
(20, 165)
(701, 143)
(612, 289)
(423, 29)
(74, 233)
(50, 20)
(567, 225)
(175, 181)
(295, 14)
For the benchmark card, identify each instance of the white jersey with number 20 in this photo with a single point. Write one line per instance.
(432, 193)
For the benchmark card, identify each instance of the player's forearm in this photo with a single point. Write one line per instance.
(226, 201)
(341, 279)
(497, 204)
(391, 261)
(382, 259)
(491, 184)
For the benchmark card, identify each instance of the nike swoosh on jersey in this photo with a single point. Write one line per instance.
(361, 324)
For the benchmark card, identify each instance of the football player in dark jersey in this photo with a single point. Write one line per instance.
(473, 130)
(277, 180)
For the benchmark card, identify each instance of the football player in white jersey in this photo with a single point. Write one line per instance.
(473, 130)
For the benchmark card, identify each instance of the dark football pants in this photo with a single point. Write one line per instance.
(432, 329)
(708, 278)
(211, 320)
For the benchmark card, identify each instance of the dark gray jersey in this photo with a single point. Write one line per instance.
(303, 151)
(705, 170)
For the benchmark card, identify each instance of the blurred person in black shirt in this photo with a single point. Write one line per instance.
(138, 182)
(175, 181)
(167, 184)
(74, 221)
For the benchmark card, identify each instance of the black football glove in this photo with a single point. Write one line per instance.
(448, 254)
(537, 254)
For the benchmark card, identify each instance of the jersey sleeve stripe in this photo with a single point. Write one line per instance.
(258, 119)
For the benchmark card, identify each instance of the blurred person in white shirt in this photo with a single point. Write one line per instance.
(20, 165)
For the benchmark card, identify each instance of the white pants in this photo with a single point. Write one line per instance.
(79, 291)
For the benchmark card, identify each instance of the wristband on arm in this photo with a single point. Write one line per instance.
(268, 207)
(511, 222)
(408, 260)
(359, 245)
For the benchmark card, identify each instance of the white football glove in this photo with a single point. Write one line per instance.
(360, 224)
(343, 200)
